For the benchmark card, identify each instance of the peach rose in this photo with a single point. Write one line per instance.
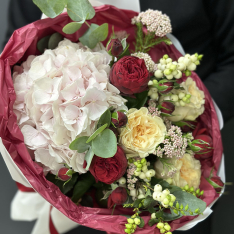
(142, 133)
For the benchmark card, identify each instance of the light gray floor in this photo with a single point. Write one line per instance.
(222, 219)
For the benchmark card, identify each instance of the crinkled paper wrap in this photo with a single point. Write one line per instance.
(22, 44)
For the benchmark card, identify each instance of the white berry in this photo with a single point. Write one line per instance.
(158, 188)
(122, 180)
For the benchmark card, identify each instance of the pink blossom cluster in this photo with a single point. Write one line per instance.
(174, 144)
(130, 175)
(155, 22)
(154, 111)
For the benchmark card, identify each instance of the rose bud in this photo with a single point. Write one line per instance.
(119, 119)
(204, 142)
(130, 75)
(216, 183)
(167, 107)
(168, 87)
(117, 197)
(115, 47)
(186, 126)
(62, 174)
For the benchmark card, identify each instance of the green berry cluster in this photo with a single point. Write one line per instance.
(191, 190)
(164, 227)
(132, 224)
(181, 209)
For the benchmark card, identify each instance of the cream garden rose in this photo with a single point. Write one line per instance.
(196, 106)
(142, 133)
(188, 171)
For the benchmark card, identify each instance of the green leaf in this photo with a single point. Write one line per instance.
(54, 40)
(151, 210)
(89, 157)
(70, 172)
(80, 144)
(114, 186)
(164, 184)
(149, 202)
(105, 119)
(80, 10)
(114, 115)
(124, 43)
(169, 217)
(96, 133)
(125, 52)
(72, 27)
(142, 224)
(107, 194)
(82, 186)
(63, 188)
(193, 202)
(137, 203)
(94, 35)
(57, 5)
(43, 43)
(46, 8)
(153, 221)
(137, 102)
(105, 144)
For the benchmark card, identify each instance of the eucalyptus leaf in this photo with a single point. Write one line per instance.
(54, 40)
(105, 144)
(80, 10)
(43, 43)
(72, 27)
(100, 33)
(85, 38)
(84, 183)
(96, 133)
(89, 157)
(46, 8)
(57, 5)
(80, 144)
(105, 119)
(137, 102)
(192, 201)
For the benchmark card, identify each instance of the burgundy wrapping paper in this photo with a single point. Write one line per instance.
(20, 46)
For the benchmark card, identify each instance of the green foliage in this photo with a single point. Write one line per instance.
(153, 221)
(80, 10)
(170, 216)
(43, 43)
(84, 183)
(137, 203)
(96, 133)
(137, 102)
(68, 185)
(105, 144)
(80, 144)
(149, 202)
(184, 199)
(105, 119)
(142, 223)
(89, 157)
(54, 40)
(51, 8)
(72, 27)
(94, 35)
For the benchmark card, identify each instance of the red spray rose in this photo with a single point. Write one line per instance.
(108, 170)
(118, 197)
(115, 46)
(130, 75)
(206, 144)
(121, 120)
(188, 126)
(215, 181)
(62, 174)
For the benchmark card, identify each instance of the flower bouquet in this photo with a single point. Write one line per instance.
(107, 121)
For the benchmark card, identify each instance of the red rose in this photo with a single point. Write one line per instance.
(108, 170)
(130, 75)
(118, 197)
(121, 120)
